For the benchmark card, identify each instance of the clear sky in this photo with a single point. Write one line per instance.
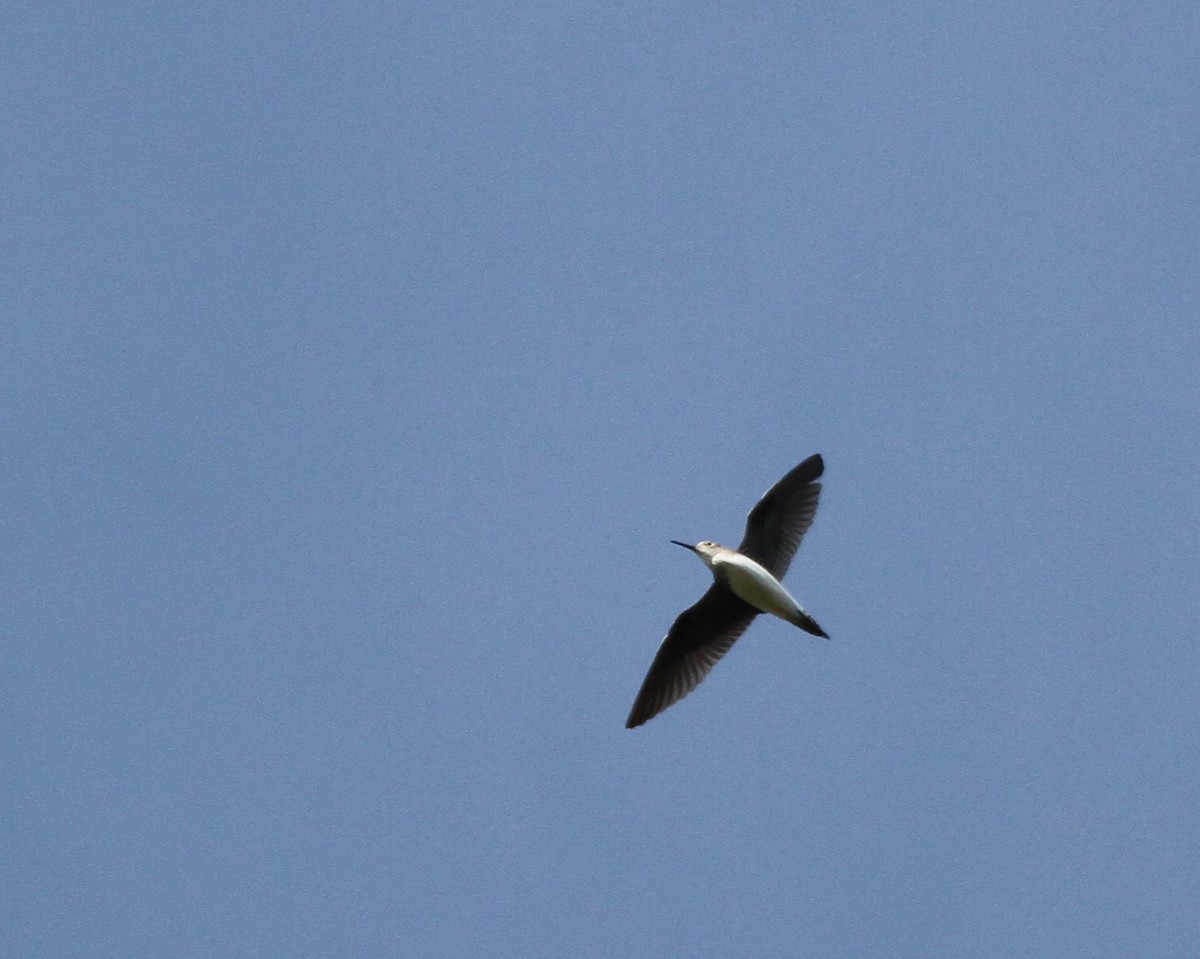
(359, 360)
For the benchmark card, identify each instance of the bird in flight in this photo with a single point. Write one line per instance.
(746, 582)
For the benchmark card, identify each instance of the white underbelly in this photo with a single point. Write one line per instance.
(750, 582)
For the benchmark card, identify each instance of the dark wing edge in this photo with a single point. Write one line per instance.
(696, 641)
(779, 520)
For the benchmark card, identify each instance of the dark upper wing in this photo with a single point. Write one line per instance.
(700, 636)
(780, 519)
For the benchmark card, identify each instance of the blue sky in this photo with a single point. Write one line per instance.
(359, 361)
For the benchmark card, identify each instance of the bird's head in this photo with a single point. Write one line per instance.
(705, 549)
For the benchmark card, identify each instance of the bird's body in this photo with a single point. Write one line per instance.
(746, 582)
(751, 583)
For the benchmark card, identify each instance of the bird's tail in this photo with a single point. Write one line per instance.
(808, 624)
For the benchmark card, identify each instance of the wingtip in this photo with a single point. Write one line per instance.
(639, 717)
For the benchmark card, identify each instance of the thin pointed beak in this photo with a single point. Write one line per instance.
(684, 545)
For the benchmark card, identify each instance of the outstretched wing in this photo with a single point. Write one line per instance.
(698, 638)
(780, 519)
